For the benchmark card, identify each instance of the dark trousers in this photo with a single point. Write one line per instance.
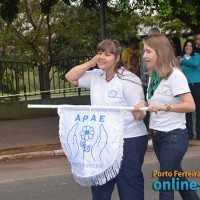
(195, 90)
(130, 181)
(170, 147)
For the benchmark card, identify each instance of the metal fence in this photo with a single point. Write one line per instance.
(23, 81)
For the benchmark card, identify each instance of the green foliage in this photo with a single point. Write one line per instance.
(90, 3)
(122, 26)
(186, 11)
(67, 26)
(74, 30)
(46, 5)
(168, 24)
(46, 31)
(9, 10)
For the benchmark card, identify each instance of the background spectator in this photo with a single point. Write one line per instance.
(197, 41)
(190, 63)
(176, 46)
(130, 56)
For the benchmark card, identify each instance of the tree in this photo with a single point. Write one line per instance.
(46, 30)
(111, 7)
(169, 25)
(102, 17)
(186, 11)
(39, 28)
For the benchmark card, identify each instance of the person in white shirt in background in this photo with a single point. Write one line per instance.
(113, 85)
(169, 98)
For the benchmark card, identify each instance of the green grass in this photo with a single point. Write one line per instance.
(35, 149)
(5, 153)
(30, 149)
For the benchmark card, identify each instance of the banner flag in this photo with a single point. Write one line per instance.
(92, 139)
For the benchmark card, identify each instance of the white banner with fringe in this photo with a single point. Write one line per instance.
(92, 139)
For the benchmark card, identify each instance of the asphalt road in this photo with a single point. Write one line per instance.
(51, 179)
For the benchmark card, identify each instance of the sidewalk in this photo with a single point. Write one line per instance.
(35, 132)
(28, 132)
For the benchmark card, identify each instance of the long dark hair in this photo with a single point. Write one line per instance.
(177, 42)
(193, 46)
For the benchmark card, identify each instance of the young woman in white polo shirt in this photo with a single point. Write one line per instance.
(113, 85)
(169, 98)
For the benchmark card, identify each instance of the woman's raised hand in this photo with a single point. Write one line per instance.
(93, 61)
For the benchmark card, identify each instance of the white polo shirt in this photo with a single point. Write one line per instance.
(168, 92)
(116, 92)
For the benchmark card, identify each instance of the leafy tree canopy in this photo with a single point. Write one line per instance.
(46, 5)
(10, 8)
(186, 11)
(114, 7)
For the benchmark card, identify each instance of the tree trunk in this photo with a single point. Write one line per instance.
(46, 67)
(46, 95)
(103, 21)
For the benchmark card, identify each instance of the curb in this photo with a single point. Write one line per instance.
(60, 152)
(32, 155)
(43, 154)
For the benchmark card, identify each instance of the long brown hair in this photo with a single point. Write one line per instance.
(166, 58)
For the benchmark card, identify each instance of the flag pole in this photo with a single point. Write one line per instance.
(85, 106)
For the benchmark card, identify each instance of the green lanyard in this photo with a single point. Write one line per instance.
(155, 81)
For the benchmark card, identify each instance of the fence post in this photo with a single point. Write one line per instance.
(79, 91)
(25, 96)
(41, 78)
